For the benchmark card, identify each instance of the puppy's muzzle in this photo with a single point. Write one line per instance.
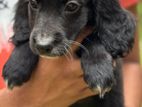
(51, 45)
(43, 45)
(44, 48)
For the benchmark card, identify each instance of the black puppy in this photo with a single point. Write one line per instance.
(49, 27)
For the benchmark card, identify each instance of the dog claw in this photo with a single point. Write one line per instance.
(9, 86)
(6, 82)
(101, 91)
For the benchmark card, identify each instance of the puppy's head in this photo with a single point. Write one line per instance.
(56, 24)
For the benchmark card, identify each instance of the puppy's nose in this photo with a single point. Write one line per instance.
(44, 48)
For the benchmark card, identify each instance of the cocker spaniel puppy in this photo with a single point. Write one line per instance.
(49, 27)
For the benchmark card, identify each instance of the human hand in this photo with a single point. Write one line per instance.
(54, 83)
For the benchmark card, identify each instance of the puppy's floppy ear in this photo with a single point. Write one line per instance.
(115, 27)
(21, 23)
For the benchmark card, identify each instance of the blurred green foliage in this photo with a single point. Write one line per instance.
(140, 27)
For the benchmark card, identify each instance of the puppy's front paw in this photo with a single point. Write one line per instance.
(99, 75)
(15, 75)
(99, 81)
(19, 66)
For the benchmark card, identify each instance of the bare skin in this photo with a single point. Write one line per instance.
(54, 83)
(57, 86)
(59, 83)
(132, 84)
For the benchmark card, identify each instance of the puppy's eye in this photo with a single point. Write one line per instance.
(72, 7)
(34, 4)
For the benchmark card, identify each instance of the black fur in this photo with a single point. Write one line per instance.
(112, 39)
(112, 99)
